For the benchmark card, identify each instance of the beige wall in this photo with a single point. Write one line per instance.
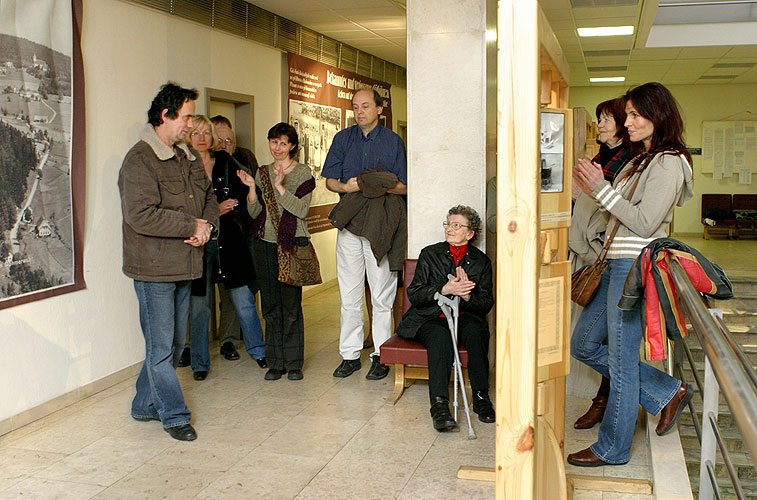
(699, 103)
(55, 346)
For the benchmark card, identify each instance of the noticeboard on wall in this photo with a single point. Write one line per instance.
(555, 167)
(729, 148)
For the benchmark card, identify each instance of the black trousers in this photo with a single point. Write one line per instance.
(282, 310)
(473, 334)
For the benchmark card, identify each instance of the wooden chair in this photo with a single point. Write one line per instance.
(409, 357)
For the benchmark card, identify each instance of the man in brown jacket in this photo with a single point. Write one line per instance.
(169, 213)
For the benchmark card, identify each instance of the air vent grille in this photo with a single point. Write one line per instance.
(607, 68)
(249, 21)
(605, 53)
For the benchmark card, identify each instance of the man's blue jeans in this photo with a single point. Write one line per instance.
(244, 305)
(631, 381)
(163, 311)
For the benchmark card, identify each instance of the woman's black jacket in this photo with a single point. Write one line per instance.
(235, 264)
(434, 264)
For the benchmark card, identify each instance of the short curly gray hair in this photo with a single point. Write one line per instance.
(474, 221)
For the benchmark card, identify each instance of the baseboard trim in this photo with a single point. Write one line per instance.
(58, 403)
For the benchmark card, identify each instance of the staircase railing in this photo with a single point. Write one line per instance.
(726, 369)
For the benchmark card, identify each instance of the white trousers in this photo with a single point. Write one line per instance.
(355, 261)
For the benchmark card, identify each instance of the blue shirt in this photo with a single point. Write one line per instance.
(351, 153)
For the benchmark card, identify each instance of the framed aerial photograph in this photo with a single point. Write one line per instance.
(41, 149)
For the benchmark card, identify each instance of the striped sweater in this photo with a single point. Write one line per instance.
(664, 183)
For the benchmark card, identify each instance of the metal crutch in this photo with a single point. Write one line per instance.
(450, 308)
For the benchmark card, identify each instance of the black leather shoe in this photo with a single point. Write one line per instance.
(185, 358)
(347, 367)
(200, 375)
(443, 421)
(228, 351)
(182, 432)
(274, 374)
(377, 371)
(294, 374)
(482, 405)
(262, 362)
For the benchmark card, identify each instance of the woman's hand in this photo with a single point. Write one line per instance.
(459, 285)
(588, 175)
(248, 181)
(227, 206)
(278, 180)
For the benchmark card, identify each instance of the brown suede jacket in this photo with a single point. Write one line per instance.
(163, 190)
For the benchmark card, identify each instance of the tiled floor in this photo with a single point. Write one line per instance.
(321, 437)
(318, 438)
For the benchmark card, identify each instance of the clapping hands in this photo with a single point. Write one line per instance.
(459, 285)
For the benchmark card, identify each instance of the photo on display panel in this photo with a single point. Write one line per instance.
(316, 126)
(551, 146)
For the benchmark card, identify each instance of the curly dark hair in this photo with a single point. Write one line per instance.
(283, 128)
(474, 221)
(170, 97)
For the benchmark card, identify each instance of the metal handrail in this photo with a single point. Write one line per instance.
(737, 387)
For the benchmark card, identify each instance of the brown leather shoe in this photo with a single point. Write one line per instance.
(669, 415)
(585, 458)
(597, 409)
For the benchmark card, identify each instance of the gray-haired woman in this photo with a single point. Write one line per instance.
(471, 280)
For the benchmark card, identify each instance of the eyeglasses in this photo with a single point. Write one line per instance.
(226, 141)
(454, 225)
(206, 133)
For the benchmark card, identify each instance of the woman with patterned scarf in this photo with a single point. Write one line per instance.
(278, 202)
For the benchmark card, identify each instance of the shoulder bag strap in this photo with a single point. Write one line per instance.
(603, 254)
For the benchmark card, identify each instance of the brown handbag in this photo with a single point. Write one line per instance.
(584, 282)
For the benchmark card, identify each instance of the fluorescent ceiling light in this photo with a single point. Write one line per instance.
(606, 31)
(608, 79)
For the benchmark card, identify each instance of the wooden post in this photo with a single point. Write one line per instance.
(517, 247)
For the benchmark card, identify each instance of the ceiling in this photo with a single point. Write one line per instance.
(672, 44)
(373, 26)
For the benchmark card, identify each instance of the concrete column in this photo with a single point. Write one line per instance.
(446, 114)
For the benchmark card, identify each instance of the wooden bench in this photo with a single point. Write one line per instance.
(408, 356)
(718, 207)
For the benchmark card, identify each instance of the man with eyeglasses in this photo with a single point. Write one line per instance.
(228, 142)
(355, 150)
(228, 322)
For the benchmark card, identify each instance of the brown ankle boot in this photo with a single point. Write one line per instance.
(597, 409)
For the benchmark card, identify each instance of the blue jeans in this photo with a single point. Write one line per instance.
(244, 305)
(163, 311)
(631, 381)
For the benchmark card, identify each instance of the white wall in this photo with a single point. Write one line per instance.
(698, 103)
(55, 346)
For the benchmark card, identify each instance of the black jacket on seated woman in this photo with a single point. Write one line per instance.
(471, 272)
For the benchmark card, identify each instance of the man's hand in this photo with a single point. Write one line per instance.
(227, 206)
(351, 186)
(398, 189)
(201, 234)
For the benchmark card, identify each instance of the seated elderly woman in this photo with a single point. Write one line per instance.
(471, 280)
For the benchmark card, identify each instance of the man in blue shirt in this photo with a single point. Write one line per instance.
(354, 150)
